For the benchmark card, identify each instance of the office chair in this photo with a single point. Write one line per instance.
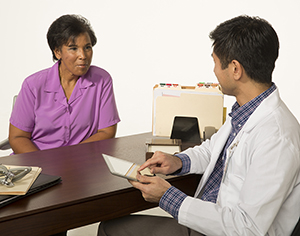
(296, 231)
(4, 144)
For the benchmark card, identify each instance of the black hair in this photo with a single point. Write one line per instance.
(251, 41)
(66, 28)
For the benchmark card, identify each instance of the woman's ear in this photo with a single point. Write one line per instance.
(57, 53)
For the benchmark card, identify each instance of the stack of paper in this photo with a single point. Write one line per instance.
(23, 185)
(164, 145)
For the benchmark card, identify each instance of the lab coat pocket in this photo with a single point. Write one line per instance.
(231, 189)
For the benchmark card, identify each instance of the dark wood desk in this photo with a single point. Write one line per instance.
(88, 192)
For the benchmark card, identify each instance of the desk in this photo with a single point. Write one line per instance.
(88, 192)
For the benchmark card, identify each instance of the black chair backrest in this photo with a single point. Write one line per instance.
(296, 231)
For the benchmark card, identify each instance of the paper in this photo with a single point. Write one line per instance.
(21, 186)
(123, 168)
(166, 149)
(164, 145)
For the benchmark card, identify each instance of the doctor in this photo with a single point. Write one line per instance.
(250, 167)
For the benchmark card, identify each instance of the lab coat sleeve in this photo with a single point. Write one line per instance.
(199, 157)
(270, 179)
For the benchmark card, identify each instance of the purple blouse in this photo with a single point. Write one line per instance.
(42, 107)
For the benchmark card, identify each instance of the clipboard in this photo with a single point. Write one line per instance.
(21, 186)
(123, 168)
(42, 182)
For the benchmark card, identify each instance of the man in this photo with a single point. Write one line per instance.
(250, 183)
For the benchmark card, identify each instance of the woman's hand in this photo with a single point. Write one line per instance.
(105, 133)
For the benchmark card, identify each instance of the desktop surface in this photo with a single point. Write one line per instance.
(88, 192)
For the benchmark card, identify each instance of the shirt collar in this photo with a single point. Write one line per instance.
(240, 114)
(52, 83)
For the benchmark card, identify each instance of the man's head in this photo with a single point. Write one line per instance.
(252, 42)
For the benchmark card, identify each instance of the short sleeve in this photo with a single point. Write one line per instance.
(22, 115)
(108, 109)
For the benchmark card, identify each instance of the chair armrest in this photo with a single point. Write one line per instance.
(4, 145)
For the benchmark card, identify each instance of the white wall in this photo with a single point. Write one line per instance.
(141, 43)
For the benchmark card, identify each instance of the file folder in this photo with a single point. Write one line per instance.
(205, 103)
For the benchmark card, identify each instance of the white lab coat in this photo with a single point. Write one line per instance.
(260, 191)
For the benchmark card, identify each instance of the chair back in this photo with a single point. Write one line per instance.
(296, 231)
(4, 144)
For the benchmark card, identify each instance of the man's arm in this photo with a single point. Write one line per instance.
(152, 188)
(155, 189)
(269, 181)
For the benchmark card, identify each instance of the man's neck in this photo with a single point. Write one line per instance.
(249, 91)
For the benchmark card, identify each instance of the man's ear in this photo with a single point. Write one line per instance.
(237, 69)
(57, 53)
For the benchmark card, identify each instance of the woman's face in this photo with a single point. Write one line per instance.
(75, 57)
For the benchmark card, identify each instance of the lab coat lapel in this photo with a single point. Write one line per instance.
(267, 106)
(221, 138)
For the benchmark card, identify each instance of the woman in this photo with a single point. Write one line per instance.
(69, 103)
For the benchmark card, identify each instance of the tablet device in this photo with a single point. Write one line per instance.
(123, 168)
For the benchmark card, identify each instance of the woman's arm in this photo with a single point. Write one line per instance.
(102, 134)
(19, 140)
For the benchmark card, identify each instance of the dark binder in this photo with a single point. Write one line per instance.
(42, 182)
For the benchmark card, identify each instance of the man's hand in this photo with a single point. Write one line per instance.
(162, 163)
(152, 188)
